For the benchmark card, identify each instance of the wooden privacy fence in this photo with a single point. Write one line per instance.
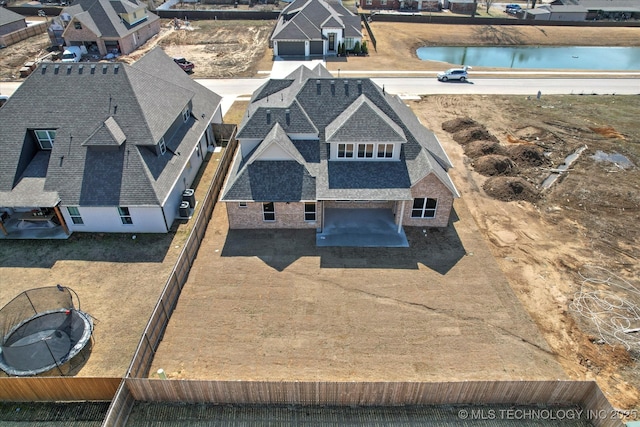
(157, 324)
(585, 394)
(31, 389)
(22, 34)
(365, 20)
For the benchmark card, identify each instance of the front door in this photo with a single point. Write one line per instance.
(332, 42)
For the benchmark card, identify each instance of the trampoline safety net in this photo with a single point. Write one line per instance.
(41, 329)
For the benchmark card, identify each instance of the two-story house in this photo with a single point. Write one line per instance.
(315, 150)
(103, 147)
(315, 28)
(105, 26)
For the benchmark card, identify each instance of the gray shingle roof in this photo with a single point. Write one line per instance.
(92, 110)
(102, 16)
(8, 17)
(305, 19)
(353, 110)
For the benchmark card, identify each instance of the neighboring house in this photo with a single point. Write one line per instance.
(315, 28)
(311, 143)
(408, 5)
(104, 147)
(10, 21)
(105, 26)
(596, 9)
(556, 13)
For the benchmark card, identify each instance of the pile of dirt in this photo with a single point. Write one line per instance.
(508, 188)
(608, 132)
(474, 133)
(476, 149)
(494, 164)
(455, 125)
(527, 155)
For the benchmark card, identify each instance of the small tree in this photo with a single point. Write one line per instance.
(340, 49)
(357, 49)
(365, 48)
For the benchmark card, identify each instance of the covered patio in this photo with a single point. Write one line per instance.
(361, 228)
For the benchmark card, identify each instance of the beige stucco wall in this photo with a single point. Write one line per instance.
(429, 187)
(288, 215)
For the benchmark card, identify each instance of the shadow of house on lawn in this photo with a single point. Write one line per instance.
(438, 249)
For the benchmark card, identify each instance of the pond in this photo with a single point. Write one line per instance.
(532, 57)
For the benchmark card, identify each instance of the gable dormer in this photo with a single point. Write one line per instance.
(364, 132)
(130, 12)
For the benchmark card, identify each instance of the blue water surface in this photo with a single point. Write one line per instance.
(532, 57)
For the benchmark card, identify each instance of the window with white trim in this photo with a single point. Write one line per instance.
(74, 213)
(185, 114)
(383, 2)
(45, 138)
(242, 204)
(268, 212)
(345, 151)
(369, 2)
(385, 151)
(125, 215)
(310, 212)
(424, 208)
(365, 151)
(163, 146)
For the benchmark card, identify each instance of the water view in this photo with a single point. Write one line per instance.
(567, 57)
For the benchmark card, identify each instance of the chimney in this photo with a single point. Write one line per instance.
(268, 117)
(287, 114)
(359, 87)
(318, 87)
(346, 88)
(333, 87)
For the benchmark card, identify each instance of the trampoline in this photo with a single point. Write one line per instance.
(41, 330)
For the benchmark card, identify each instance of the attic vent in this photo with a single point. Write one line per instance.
(318, 87)
(359, 87)
(56, 68)
(116, 68)
(333, 87)
(104, 69)
(268, 117)
(93, 69)
(346, 88)
(69, 67)
(44, 69)
(287, 114)
(80, 68)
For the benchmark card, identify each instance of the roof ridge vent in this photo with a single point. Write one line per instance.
(69, 67)
(116, 67)
(104, 69)
(93, 68)
(80, 68)
(56, 68)
(44, 68)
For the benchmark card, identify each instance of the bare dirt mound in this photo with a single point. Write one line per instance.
(527, 155)
(476, 149)
(608, 132)
(510, 189)
(478, 133)
(455, 125)
(494, 164)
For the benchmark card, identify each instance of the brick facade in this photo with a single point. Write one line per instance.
(288, 215)
(144, 32)
(430, 187)
(380, 4)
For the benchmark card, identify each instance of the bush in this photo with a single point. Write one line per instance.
(356, 48)
(365, 48)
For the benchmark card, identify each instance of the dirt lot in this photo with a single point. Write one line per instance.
(541, 244)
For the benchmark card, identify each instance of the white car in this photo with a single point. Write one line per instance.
(454, 74)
